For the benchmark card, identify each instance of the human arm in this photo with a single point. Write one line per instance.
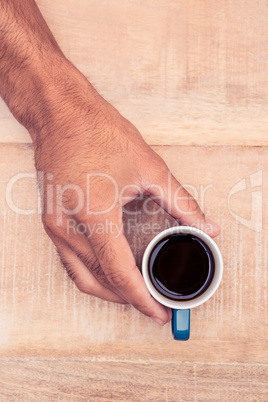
(77, 133)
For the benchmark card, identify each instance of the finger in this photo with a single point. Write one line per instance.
(118, 264)
(81, 247)
(82, 277)
(78, 242)
(179, 203)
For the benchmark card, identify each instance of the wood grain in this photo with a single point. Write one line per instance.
(43, 314)
(188, 72)
(128, 381)
(184, 72)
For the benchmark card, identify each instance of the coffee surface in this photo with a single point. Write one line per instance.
(181, 267)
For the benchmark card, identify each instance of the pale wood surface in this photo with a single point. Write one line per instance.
(43, 315)
(183, 71)
(131, 381)
(186, 73)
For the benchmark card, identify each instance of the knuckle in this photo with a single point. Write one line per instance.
(156, 168)
(141, 306)
(142, 301)
(191, 204)
(105, 251)
(185, 202)
(69, 199)
(82, 286)
(117, 279)
(83, 215)
(159, 168)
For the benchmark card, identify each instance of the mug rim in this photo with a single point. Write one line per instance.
(197, 301)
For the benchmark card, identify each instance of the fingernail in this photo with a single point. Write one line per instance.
(212, 226)
(158, 321)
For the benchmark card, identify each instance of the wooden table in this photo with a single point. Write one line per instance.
(193, 77)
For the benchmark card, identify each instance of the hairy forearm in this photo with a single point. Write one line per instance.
(32, 66)
(26, 49)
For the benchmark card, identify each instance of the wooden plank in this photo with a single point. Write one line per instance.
(187, 72)
(43, 314)
(131, 381)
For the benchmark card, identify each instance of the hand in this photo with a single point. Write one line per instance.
(86, 138)
(77, 135)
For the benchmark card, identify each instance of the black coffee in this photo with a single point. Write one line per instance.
(181, 267)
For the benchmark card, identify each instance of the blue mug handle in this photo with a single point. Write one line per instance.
(180, 324)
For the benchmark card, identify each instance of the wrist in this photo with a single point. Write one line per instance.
(46, 89)
(36, 81)
(24, 82)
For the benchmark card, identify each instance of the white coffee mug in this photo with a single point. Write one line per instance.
(181, 309)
